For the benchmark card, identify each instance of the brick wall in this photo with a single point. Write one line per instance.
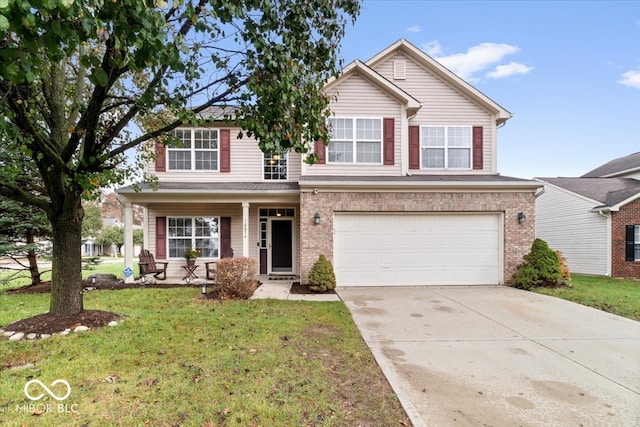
(628, 215)
(318, 239)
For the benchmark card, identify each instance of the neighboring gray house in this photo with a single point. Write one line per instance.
(594, 220)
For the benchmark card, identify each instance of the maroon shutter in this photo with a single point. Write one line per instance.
(630, 243)
(414, 147)
(161, 163)
(161, 237)
(225, 238)
(319, 150)
(225, 150)
(389, 133)
(477, 147)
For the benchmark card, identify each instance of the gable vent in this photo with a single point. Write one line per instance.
(399, 70)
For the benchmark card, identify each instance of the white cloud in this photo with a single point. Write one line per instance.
(433, 48)
(631, 79)
(472, 64)
(508, 70)
(414, 29)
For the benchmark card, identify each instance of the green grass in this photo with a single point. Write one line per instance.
(108, 265)
(181, 360)
(618, 296)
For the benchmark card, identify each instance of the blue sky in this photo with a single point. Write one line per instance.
(568, 71)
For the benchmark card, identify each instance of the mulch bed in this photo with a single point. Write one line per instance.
(45, 287)
(298, 289)
(49, 324)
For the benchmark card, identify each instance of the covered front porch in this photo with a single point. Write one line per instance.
(259, 220)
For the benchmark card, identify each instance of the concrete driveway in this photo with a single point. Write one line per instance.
(499, 356)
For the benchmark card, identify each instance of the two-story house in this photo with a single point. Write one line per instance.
(405, 193)
(594, 220)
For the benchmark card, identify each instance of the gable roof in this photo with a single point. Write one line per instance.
(363, 70)
(448, 76)
(621, 165)
(609, 193)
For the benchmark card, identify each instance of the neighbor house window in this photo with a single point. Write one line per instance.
(197, 149)
(354, 140)
(636, 242)
(275, 166)
(199, 233)
(445, 147)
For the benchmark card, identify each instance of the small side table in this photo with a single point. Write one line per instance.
(190, 269)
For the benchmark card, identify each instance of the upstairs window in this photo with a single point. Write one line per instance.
(354, 140)
(445, 147)
(275, 166)
(197, 150)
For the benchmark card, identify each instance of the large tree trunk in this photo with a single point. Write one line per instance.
(66, 282)
(32, 258)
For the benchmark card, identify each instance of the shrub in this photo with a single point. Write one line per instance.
(237, 278)
(541, 268)
(321, 277)
(564, 268)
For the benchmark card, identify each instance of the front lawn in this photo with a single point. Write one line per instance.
(179, 360)
(618, 296)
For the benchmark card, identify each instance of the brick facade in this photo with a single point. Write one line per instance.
(627, 215)
(318, 239)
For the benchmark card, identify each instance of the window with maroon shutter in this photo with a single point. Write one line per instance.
(319, 150)
(161, 162)
(225, 150)
(477, 147)
(414, 147)
(389, 132)
(161, 237)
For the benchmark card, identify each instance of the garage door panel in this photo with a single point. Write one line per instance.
(416, 249)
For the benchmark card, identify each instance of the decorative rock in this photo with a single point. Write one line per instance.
(32, 336)
(16, 337)
(65, 332)
(102, 277)
(112, 323)
(45, 336)
(8, 333)
(81, 328)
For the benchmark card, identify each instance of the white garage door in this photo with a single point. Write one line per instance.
(417, 249)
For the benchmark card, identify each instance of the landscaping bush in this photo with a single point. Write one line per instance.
(564, 268)
(321, 277)
(237, 278)
(541, 268)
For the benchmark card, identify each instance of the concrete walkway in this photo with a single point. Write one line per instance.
(279, 289)
(498, 356)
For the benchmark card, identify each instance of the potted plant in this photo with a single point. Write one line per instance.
(190, 255)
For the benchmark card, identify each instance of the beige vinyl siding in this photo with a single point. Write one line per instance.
(563, 220)
(246, 164)
(357, 97)
(220, 210)
(441, 105)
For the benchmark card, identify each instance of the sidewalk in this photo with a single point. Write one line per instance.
(280, 290)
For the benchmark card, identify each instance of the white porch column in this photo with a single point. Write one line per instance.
(128, 237)
(245, 229)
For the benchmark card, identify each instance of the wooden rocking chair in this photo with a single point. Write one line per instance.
(148, 265)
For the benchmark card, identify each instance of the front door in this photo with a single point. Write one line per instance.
(281, 253)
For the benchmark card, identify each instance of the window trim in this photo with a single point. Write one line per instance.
(193, 150)
(636, 242)
(287, 164)
(446, 148)
(193, 236)
(354, 142)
